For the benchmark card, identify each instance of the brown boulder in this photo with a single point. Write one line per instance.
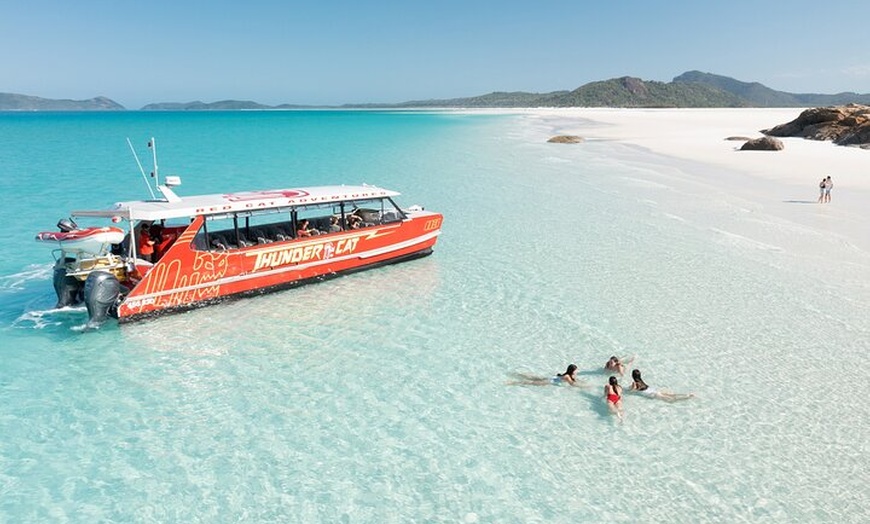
(844, 125)
(566, 139)
(858, 135)
(765, 143)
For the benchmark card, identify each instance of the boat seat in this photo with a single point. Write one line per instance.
(282, 232)
(244, 242)
(262, 237)
(273, 234)
(256, 235)
(320, 224)
(219, 242)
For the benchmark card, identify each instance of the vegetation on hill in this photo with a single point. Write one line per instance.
(634, 92)
(16, 102)
(496, 99)
(759, 95)
(690, 89)
(223, 105)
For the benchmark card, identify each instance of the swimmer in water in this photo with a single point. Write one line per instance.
(613, 395)
(646, 390)
(615, 365)
(568, 377)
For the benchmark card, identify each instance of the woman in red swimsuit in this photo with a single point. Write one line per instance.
(613, 394)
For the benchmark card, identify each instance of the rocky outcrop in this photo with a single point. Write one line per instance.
(765, 143)
(635, 86)
(847, 125)
(566, 139)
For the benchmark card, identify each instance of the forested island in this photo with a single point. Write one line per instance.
(690, 89)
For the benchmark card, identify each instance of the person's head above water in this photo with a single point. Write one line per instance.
(635, 374)
(613, 381)
(568, 372)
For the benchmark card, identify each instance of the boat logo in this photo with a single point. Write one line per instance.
(328, 250)
(269, 258)
(260, 195)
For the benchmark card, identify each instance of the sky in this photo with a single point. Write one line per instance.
(332, 52)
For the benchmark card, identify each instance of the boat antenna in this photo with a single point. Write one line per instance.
(141, 170)
(153, 145)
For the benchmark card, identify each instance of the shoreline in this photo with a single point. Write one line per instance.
(783, 183)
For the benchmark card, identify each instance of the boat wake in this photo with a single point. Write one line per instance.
(24, 292)
(18, 281)
(40, 319)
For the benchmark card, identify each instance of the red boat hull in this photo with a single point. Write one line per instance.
(186, 277)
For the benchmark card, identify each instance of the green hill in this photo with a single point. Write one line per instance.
(223, 105)
(759, 95)
(496, 99)
(634, 92)
(690, 89)
(16, 102)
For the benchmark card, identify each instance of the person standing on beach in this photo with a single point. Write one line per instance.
(829, 184)
(822, 191)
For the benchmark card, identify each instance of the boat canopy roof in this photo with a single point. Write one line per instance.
(181, 207)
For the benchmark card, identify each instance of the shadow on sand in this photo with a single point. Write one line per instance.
(800, 201)
(598, 406)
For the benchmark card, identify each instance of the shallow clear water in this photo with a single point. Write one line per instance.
(383, 396)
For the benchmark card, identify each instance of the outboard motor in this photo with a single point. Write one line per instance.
(69, 289)
(67, 224)
(102, 290)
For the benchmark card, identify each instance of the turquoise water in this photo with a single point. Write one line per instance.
(383, 396)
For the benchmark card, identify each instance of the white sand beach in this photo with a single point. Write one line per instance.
(784, 183)
(700, 134)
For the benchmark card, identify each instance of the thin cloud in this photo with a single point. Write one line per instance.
(857, 71)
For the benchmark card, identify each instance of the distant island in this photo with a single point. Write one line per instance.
(14, 102)
(692, 89)
(223, 105)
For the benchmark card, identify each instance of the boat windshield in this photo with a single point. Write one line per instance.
(238, 230)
